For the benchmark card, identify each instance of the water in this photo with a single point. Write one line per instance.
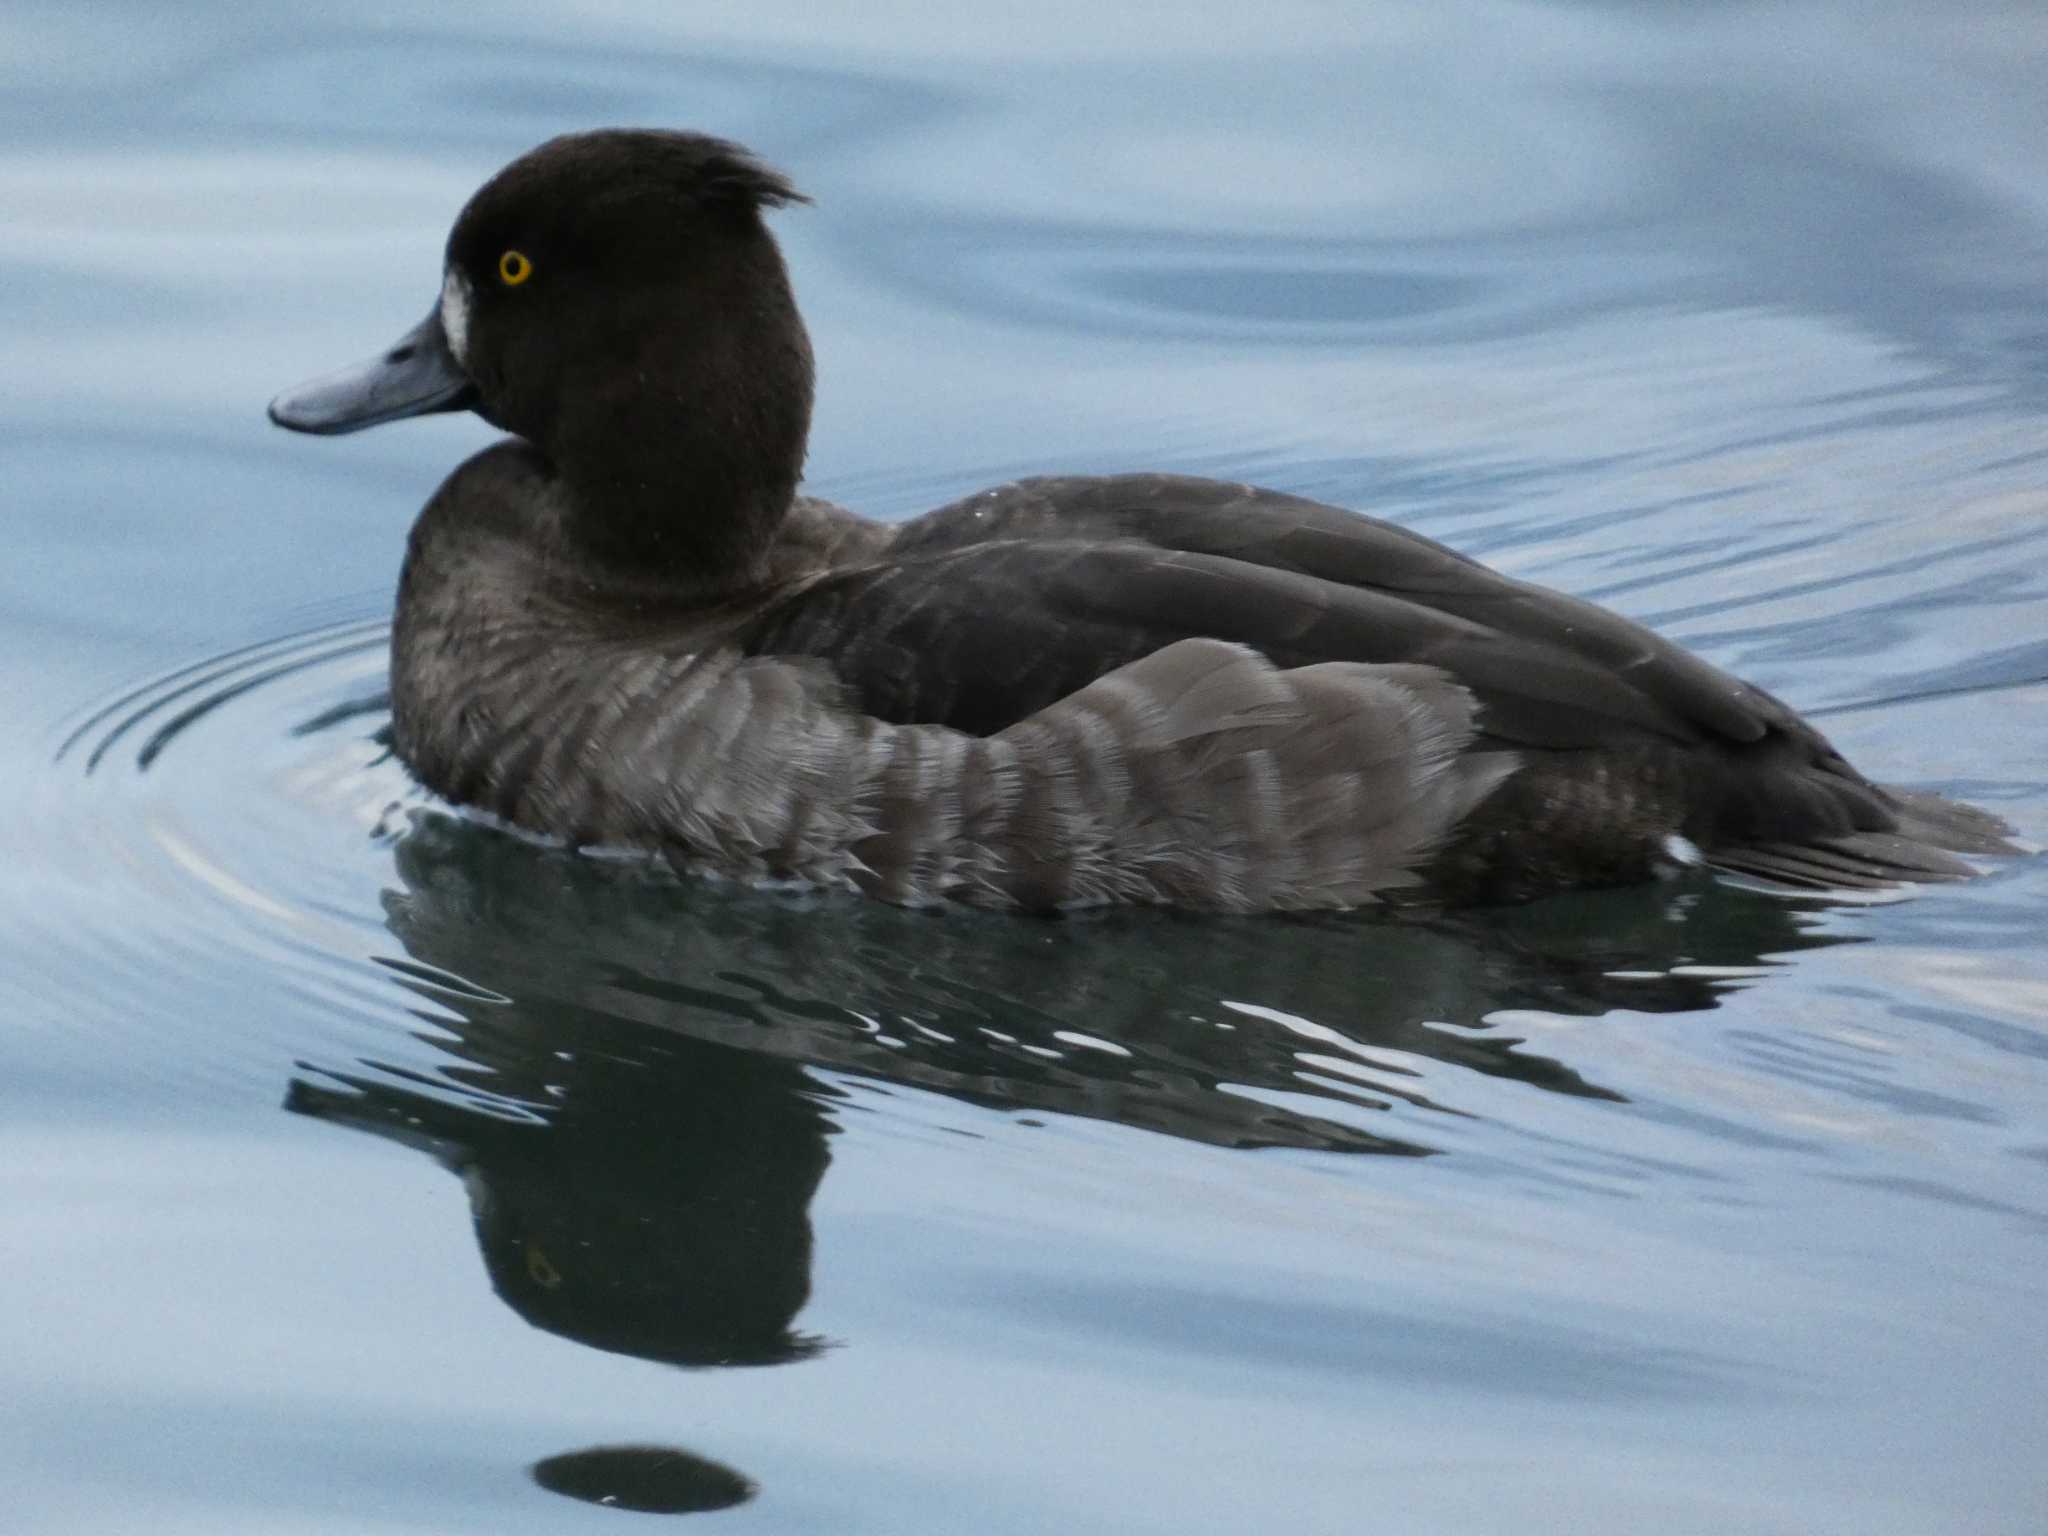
(369, 1170)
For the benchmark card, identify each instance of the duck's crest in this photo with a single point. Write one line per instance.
(732, 174)
(626, 165)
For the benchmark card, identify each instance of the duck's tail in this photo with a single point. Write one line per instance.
(1927, 843)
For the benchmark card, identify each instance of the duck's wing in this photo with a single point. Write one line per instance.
(982, 635)
(994, 607)
(1275, 531)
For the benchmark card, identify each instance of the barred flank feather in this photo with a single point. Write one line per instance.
(1200, 776)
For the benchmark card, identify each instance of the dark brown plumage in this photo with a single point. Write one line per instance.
(627, 627)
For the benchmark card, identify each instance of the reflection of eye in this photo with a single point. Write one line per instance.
(514, 268)
(545, 1275)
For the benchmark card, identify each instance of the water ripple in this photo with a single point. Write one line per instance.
(258, 782)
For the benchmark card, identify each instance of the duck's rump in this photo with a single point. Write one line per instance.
(986, 612)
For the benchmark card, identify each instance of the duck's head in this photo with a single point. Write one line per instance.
(615, 299)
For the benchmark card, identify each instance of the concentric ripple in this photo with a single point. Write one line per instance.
(221, 821)
(159, 710)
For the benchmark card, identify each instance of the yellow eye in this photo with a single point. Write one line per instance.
(544, 1273)
(514, 268)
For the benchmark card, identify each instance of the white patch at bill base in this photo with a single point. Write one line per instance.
(455, 314)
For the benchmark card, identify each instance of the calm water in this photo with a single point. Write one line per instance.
(362, 1169)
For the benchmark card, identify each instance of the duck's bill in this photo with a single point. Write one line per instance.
(416, 376)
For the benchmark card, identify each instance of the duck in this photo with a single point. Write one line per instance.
(625, 626)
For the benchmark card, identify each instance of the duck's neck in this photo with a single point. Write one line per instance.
(679, 469)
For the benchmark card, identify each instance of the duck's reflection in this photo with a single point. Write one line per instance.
(633, 1093)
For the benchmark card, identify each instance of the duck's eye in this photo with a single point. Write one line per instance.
(514, 268)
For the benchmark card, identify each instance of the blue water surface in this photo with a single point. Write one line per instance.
(365, 1169)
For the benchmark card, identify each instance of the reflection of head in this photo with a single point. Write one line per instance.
(676, 1231)
(652, 1197)
(717, 1304)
